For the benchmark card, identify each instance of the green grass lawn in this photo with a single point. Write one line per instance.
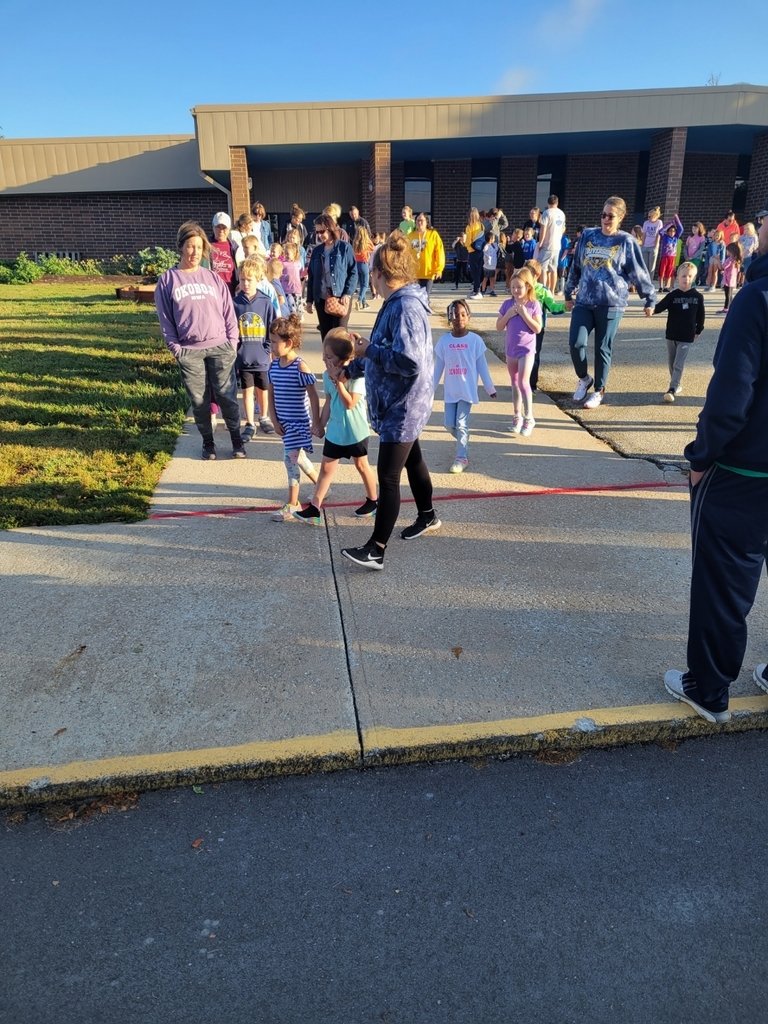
(91, 405)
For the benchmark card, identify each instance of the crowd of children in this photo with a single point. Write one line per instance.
(279, 391)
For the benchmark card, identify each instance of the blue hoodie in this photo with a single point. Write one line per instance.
(254, 319)
(603, 268)
(399, 367)
(733, 424)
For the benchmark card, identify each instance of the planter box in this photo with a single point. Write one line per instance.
(127, 292)
(145, 293)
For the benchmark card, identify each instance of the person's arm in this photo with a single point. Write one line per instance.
(347, 398)
(531, 319)
(661, 306)
(574, 274)
(503, 222)
(699, 315)
(439, 358)
(549, 301)
(311, 271)
(164, 307)
(636, 272)
(273, 412)
(481, 365)
(326, 413)
(738, 363)
(350, 283)
(228, 312)
(438, 257)
(408, 333)
(678, 226)
(503, 318)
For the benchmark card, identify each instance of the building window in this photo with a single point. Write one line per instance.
(418, 195)
(543, 190)
(484, 193)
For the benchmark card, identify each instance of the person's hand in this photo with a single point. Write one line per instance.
(278, 427)
(696, 476)
(308, 306)
(317, 430)
(569, 305)
(648, 310)
(361, 345)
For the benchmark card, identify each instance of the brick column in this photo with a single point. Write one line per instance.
(757, 187)
(380, 190)
(665, 171)
(517, 187)
(451, 188)
(238, 181)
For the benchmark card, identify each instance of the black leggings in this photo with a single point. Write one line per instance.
(325, 321)
(727, 289)
(392, 458)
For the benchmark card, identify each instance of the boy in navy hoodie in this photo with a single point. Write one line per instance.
(255, 313)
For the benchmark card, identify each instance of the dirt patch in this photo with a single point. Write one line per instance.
(111, 280)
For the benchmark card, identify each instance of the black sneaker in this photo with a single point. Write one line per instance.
(367, 509)
(238, 450)
(424, 524)
(370, 555)
(310, 515)
(248, 432)
(209, 450)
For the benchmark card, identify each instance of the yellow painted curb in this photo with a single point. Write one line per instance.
(77, 779)
(572, 730)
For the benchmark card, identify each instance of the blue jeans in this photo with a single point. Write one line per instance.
(604, 321)
(457, 423)
(363, 277)
(209, 374)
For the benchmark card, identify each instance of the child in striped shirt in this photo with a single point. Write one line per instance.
(294, 407)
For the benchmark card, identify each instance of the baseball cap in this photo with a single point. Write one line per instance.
(762, 213)
(222, 218)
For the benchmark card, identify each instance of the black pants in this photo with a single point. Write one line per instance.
(459, 272)
(325, 321)
(729, 537)
(476, 269)
(392, 458)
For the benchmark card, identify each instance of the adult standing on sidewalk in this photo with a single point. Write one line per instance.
(474, 242)
(199, 326)
(399, 370)
(551, 230)
(605, 263)
(429, 250)
(729, 503)
(331, 275)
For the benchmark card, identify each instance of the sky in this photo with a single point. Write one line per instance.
(88, 68)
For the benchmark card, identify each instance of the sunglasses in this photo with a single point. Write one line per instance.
(607, 216)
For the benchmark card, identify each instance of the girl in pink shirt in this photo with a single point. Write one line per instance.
(520, 317)
(731, 268)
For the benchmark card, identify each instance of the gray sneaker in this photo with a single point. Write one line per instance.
(583, 386)
(265, 425)
(759, 677)
(673, 684)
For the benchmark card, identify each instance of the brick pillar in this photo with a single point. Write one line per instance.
(451, 188)
(238, 181)
(365, 203)
(380, 185)
(665, 171)
(517, 187)
(757, 187)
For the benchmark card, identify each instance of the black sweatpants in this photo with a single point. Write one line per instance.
(729, 539)
(389, 466)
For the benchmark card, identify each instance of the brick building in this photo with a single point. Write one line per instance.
(696, 152)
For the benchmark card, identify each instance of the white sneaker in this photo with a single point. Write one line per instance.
(679, 389)
(285, 514)
(668, 396)
(516, 425)
(673, 684)
(528, 425)
(458, 466)
(585, 383)
(475, 295)
(594, 400)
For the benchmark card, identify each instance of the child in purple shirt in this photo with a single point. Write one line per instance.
(520, 318)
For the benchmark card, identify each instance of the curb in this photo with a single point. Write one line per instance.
(566, 732)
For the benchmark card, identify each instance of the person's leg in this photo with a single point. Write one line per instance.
(363, 467)
(392, 458)
(582, 324)
(249, 405)
(524, 384)
(681, 352)
(537, 358)
(727, 290)
(512, 365)
(195, 380)
(476, 270)
(463, 409)
(457, 275)
(362, 276)
(419, 479)
(671, 355)
(325, 321)
(606, 324)
(220, 363)
(729, 534)
(327, 470)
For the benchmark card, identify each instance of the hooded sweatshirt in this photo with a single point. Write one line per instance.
(399, 367)
(733, 424)
(254, 319)
(603, 268)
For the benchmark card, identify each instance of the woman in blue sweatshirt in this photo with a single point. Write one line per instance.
(399, 382)
(605, 263)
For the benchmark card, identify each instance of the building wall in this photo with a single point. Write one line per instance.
(311, 187)
(101, 225)
(451, 184)
(708, 182)
(591, 178)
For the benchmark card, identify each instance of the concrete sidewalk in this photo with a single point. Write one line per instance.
(211, 642)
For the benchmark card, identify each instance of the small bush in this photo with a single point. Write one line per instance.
(24, 270)
(155, 260)
(122, 264)
(62, 267)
